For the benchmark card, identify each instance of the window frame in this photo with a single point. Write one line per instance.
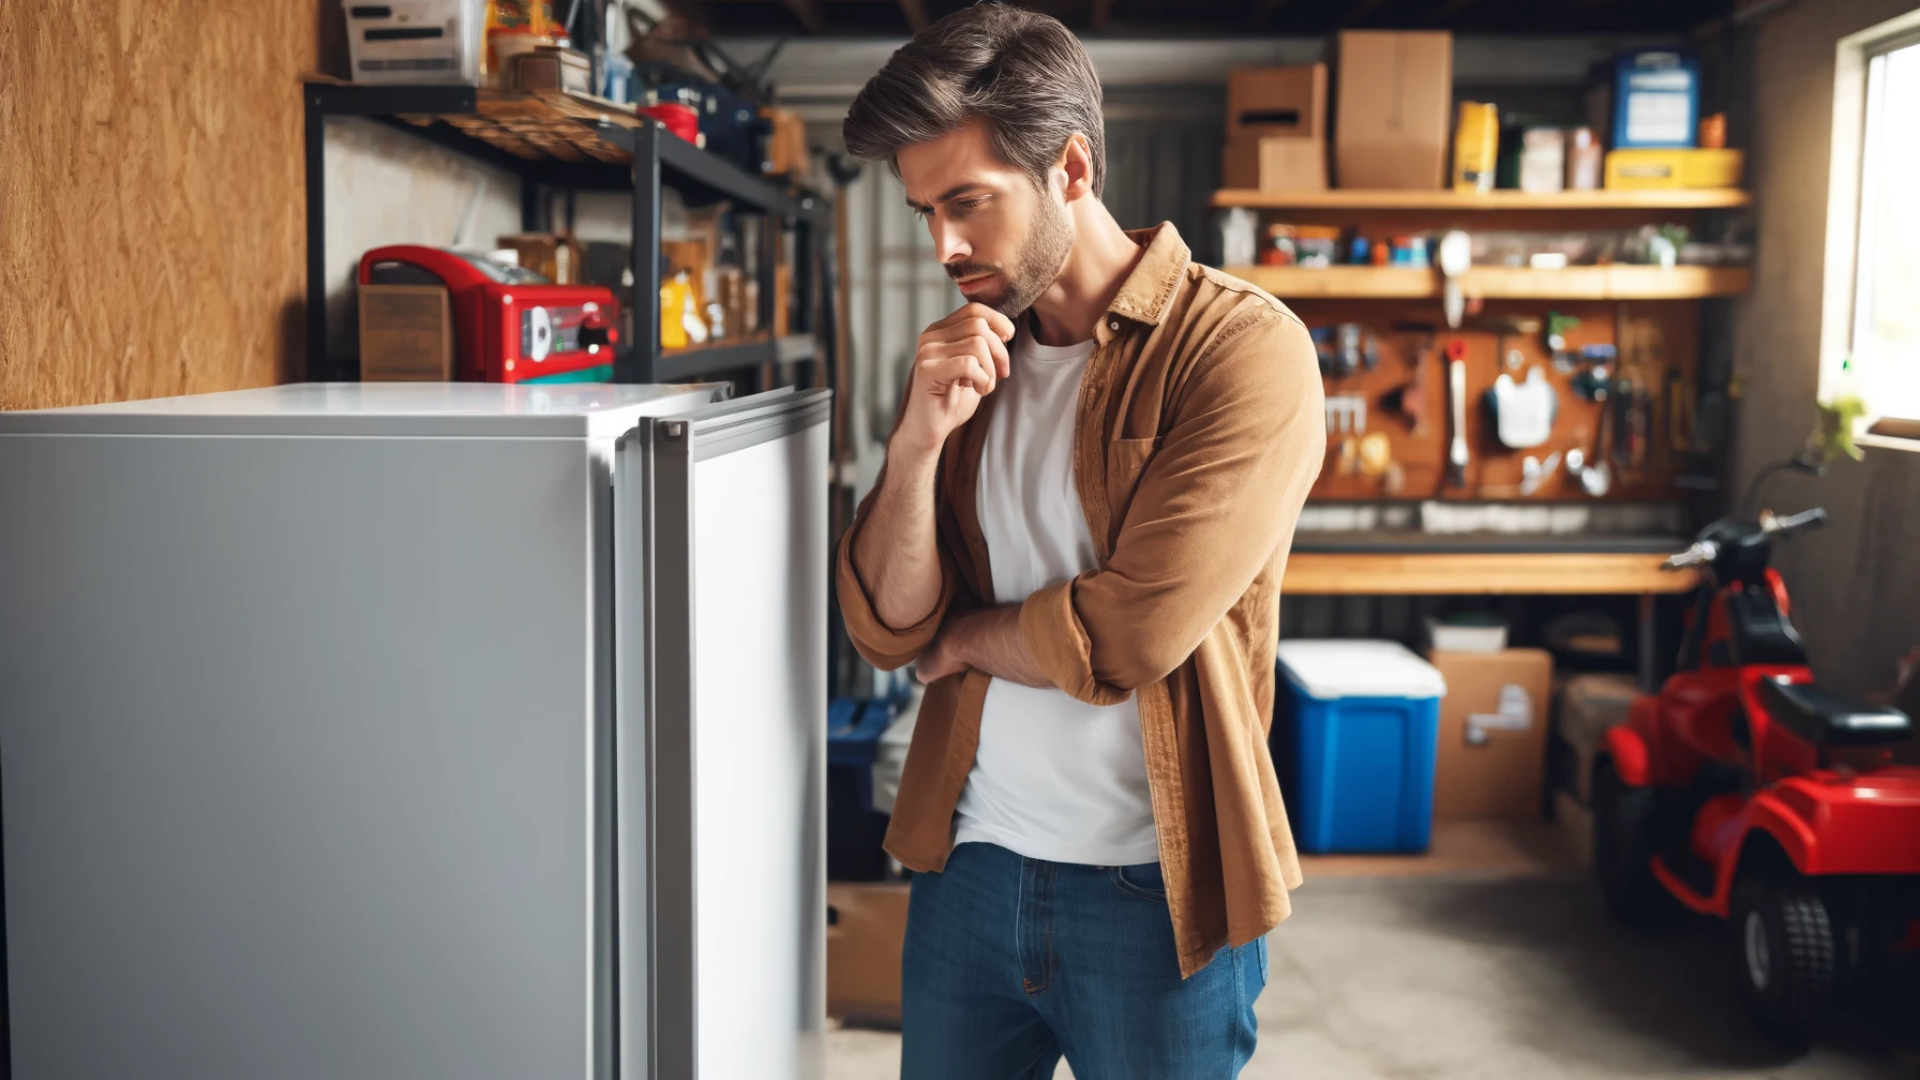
(1856, 64)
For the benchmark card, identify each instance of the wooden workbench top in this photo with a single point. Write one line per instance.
(1480, 573)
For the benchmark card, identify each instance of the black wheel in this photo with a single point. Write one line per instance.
(1625, 830)
(1784, 955)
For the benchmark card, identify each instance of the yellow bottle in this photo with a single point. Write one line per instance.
(675, 296)
(1476, 147)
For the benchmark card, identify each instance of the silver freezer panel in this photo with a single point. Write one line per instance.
(736, 801)
(295, 741)
(472, 410)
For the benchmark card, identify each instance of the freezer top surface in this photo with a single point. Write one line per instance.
(486, 410)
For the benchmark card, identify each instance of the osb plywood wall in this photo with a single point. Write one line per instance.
(151, 197)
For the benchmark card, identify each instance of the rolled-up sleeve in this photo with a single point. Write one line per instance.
(884, 646)
(1214, 504)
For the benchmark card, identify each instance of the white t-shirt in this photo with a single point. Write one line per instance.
(1054, 778)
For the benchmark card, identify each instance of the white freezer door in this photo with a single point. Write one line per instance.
(720, 625)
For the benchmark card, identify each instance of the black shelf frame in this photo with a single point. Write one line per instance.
(659, 159)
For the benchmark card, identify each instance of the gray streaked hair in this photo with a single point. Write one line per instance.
(1022, 72)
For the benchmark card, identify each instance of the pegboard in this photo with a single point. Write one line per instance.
(1660, 346)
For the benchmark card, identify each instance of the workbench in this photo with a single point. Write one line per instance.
(1387, 563)
(1392, 563)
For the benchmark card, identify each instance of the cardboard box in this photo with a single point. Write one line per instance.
(866, 932)
(406, 333)
(1274, 163)
(1290, 101)
(1393, 109)
(1666, 170)
(1591, 705)
(1492, 760)
(560, 259)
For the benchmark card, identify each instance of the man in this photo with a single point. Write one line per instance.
(1078, 540)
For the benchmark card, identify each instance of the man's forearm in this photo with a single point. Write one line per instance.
(895, 550)
(989, 641)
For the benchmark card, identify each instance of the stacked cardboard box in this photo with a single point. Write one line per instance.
(1276, 128)
(1394, 108)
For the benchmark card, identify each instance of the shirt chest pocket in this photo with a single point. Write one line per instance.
(1126, 463)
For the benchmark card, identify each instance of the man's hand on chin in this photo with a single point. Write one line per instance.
(987, 641)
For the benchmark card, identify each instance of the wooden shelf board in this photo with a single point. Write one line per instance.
(1453, 574)
(1338, 199)
(1616, 282)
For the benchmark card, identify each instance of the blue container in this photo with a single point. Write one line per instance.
(1656, 99)
(854, 727)
(1359, 724)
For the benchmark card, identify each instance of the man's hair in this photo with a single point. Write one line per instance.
(1023, 73)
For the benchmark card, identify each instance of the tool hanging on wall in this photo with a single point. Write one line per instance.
(1457, 384)
(1642, 447)
(1557, 327)
(1620, 406)
(1346, 414)
(1456, 258)
(1505, 327)
(1410, 398)
(1597, 477)
(1596, 370)
(1344, 349)
(1534, 472)
(1376, 454)
(1523, 412)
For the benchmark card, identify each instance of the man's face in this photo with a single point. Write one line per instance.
(1002, 239)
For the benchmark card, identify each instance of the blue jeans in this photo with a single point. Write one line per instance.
(1011, 962)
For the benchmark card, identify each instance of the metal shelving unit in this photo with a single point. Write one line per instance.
(582, 151)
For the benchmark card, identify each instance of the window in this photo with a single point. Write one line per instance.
(1886, 291)
(1871, 338)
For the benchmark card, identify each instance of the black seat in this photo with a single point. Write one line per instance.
(1824, 718)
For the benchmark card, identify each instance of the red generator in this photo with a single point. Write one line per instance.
(510, 324)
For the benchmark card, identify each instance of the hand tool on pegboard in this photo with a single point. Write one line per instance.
(1457, 384)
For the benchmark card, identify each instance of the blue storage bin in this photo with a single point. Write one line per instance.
(854, 727)
(855, 830)
(1360, 721)
(1656, 99)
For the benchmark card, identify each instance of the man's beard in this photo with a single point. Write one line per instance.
(1035, 266)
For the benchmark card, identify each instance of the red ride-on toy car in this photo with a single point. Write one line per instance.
(1745, 791)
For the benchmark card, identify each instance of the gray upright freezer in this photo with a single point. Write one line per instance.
(415, 731)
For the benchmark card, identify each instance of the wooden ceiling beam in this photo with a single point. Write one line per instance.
(1448, 10)
(916, 14)
(1264, 8)
(1360, 10)
(807, 12)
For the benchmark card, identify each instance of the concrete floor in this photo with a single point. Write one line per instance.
(1399, 978)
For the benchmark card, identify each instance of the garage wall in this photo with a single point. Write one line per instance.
(151, 197)
(1856, 585)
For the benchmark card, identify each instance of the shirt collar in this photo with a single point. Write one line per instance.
(1148, 291)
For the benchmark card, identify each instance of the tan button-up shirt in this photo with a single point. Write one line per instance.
(1199, 429)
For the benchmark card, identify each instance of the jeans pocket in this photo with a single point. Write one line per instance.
(1142, 880)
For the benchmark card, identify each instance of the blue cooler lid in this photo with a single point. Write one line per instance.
(1330, 670)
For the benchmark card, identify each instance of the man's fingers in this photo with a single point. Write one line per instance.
(977, 336)
(954, 363)
(1000, 325)
(992, 346)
